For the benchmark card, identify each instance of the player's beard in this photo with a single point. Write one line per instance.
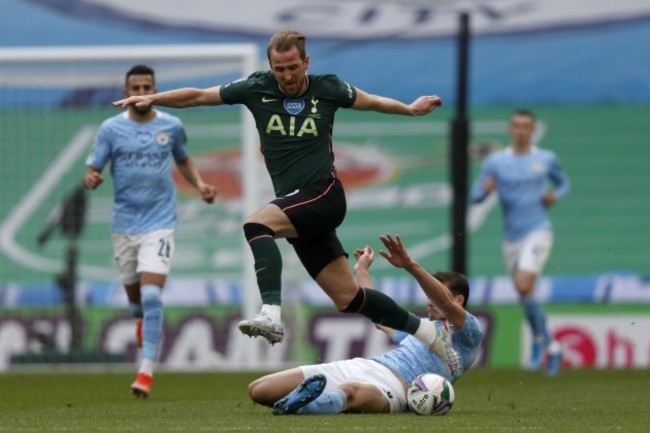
(143, 111)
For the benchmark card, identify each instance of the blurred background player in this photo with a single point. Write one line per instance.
(294, 113)
(528, 181)
(141, 144)
(379, 384)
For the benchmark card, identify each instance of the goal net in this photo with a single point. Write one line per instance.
(60, 297)
(62, 300)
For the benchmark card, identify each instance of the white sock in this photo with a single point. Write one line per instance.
(426, 332)
(273, 311)
(146, 366)
(554, 348)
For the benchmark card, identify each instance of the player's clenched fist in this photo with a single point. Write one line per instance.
(208, 192)
(93, 179)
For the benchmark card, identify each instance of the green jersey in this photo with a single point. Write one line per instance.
(295, 132)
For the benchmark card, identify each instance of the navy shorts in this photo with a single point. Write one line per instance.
(316, 211)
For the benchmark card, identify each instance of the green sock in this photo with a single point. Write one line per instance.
(383, 310)
(268, 269)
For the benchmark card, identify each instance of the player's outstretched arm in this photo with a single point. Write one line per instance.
(179, 98)
(434, 289)
(365, 256)
(191, 174)
(421, 106)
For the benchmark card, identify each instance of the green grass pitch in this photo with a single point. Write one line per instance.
(486, 400)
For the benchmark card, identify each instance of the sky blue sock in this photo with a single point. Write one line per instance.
(153, 320)
(136, 310)
(330, 402)
(536, 318)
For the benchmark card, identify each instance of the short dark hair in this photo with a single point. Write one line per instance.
(455, 281)
(140, 70)
(284, 40)
(523, 112)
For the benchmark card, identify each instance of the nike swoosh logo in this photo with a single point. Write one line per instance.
(265, 99)
(260, 269)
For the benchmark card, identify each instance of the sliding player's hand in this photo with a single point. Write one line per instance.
(365, 257)
(396, 254)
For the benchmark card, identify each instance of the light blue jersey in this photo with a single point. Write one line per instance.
(141, 156)
(521, 182)
(412, 358)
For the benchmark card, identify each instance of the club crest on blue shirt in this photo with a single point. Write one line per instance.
(294, 106)
(538, 167)
(143, 137)
(162, 138)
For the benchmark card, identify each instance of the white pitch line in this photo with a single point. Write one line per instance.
(39, 191)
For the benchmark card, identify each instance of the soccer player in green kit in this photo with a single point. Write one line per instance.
(294, 114)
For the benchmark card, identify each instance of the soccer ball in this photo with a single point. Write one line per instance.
(430, 394)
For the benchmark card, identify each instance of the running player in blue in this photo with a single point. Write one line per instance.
(141, 145)
(379, 384)
(528, 181)
(294, 114)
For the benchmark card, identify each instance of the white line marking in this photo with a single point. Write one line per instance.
(36, 195)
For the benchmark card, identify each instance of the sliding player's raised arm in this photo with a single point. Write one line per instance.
(434, 289)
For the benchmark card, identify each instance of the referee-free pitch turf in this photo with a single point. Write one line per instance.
(486, 400)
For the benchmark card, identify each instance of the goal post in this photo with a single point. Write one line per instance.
(52, 99)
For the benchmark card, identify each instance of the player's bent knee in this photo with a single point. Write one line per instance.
(524, 286)
(255, 230)
(350, 389)
(355, 305)
(258, 391)
(252, 390)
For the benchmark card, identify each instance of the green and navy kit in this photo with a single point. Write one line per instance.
(141, 156)
(295, 132)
